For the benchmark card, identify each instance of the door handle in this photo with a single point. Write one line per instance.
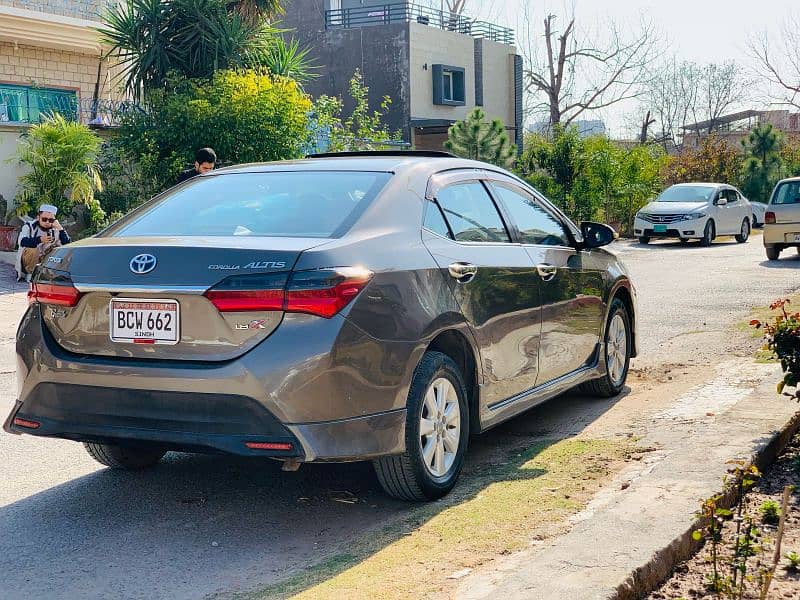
(462, 272)
(547, 272)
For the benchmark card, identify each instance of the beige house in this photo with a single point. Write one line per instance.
(50, 59)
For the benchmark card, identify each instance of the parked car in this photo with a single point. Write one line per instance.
(701, 211)
(759, 211)
(782, 219)
(362, 307)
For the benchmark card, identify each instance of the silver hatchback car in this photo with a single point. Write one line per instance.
(358, 307)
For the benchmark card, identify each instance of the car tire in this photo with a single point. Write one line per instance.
(413, 476)
(644, 240)
(744, 232)
(618, 327)
(709, 233)
(773, 252)
(123, 457)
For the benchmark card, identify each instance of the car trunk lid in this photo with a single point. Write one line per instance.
(176, 287)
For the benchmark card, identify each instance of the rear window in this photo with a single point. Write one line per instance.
(316, 204)
(787, 193)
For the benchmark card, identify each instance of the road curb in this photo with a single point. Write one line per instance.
(657, 570)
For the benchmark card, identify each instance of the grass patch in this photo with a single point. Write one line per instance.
(496, 510)
(763, 313)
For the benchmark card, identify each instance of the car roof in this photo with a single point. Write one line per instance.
(788, 179)
(389, 163)
(702, 184)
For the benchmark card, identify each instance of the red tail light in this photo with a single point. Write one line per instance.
(323, 292)
(769, 217)
(50, 293)
(26, 423)
(246, 300)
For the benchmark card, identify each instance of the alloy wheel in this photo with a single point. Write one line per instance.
(440, 427)
(616, 349)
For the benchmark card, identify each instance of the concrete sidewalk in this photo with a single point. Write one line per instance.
(633, 533)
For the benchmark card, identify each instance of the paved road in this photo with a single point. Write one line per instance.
(197, 525)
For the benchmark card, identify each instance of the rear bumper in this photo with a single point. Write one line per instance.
(195, 407)
(781, 234)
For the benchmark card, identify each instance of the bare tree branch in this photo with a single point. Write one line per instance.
(785, 74)
(575, 73)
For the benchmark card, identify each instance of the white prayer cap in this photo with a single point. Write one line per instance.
(48, 208)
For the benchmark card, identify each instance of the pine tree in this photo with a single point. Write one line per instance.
(763, 164)
(478, 139)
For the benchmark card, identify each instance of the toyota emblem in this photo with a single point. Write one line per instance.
(143, 263)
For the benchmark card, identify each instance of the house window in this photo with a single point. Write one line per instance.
(22, 104)
(449, 88)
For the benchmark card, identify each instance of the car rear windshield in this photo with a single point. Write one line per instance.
(687, 193)
(317, 204)
(787, 193)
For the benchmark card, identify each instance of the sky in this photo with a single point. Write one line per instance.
(698, 30)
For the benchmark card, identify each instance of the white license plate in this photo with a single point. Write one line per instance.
(137, 321)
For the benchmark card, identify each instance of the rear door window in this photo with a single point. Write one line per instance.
(315, 204)
(471, 213)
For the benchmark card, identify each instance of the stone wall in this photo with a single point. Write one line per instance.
(28, 65)
(77, 9)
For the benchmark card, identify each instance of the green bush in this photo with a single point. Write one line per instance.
(593, 178)
(361, 130)
(246, 116)
(62, 161)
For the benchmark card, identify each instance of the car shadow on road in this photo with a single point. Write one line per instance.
(664, 245)
(784, 262)
(197, 525)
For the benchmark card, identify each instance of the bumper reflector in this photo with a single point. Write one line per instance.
(286, 446)
(25, 423)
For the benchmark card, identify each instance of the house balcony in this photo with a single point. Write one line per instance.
(408, 12)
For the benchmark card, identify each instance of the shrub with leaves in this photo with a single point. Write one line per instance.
(361, 130)
(246, 116)
(479, 139)
(62, 161)
(782, 337)
(770, 512)
(593, 178)
(714, 160)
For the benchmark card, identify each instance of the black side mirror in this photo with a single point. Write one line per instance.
(597, 234)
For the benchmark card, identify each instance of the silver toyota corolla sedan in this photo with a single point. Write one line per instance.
(353, 307)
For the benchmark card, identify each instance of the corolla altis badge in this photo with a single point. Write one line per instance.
(260, 264)
(143, 263)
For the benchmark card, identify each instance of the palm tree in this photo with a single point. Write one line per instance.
(288, 59)
(152, 39)
(256, 9)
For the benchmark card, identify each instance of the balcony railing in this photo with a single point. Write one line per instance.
(406, 12)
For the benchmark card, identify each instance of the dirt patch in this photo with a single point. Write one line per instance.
(692, 578)
(529, 496)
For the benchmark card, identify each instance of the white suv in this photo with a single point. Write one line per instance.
(700, 211)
